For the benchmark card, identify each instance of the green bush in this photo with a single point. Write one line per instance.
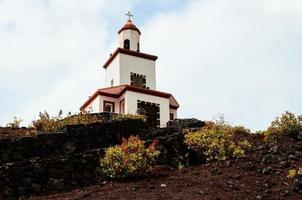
(49, 124)
(241, 130)
(216, 141)
(287, 125)
(130, 159)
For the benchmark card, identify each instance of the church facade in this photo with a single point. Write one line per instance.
(130, 83)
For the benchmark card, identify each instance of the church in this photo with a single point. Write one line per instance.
(130, 83)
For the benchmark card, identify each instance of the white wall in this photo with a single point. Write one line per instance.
(174, 112)
(131, 35)
(97, 105)
(94, 106)
(131, 105)
(137, 65)
(112, 72)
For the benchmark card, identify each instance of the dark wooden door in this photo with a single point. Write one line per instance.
(151, 111)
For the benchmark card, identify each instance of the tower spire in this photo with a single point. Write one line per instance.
(129, 15)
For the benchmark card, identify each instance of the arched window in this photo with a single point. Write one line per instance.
(127, 44)
(138, 47)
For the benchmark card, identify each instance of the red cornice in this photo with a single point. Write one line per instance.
(131, 27)
(131, 53)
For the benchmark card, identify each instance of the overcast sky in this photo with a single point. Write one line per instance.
(242, 58)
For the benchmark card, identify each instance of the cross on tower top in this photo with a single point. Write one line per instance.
(129, 15)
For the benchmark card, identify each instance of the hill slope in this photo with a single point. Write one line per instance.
(261, 175)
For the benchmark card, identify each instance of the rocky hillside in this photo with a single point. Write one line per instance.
(262, 174)
(197, 160)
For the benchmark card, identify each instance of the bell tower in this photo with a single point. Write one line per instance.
(128, 65)
(129, 36)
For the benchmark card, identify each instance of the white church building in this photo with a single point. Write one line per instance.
(130, 83)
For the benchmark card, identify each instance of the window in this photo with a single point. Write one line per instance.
(137, 47)
(122, 106)
(127, 44)
(171, 116)
(108, 106)
(137, 80)
(111, 82)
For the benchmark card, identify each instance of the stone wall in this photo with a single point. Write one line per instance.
(41, 176)
(7, 132)
(70, 158)
(70, 140)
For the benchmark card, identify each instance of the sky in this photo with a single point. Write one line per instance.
(237, 58)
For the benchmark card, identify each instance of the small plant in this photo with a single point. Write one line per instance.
(294, 172)
(216, 141)
(180, 165)
(46, 123)
(287, 125)
(130, 159)
(15, 123)
(238, 152)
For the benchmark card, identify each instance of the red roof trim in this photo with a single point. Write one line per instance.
(145, 91)
(129, 27)
(89, 101)
(174, 107)
(131, 53)
(127, 88)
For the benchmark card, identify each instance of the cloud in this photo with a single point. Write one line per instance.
(51, 52)
(241, 58)
(237, 57)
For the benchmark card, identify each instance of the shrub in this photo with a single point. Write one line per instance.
(80, 118)
(241, 130)
(130, 159)
(15, 123)
(49, 124)
(245, 144)
(216, 141)
(287, 125)
(294, 172)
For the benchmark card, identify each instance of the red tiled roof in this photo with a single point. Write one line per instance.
(129, 25)
(173, 103)
(129, 52)
(118, 91)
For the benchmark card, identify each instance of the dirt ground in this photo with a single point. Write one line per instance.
(261, 175)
